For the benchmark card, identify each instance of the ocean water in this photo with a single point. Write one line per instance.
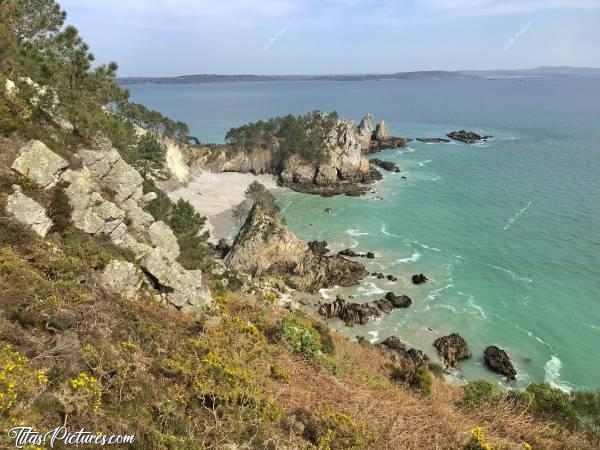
(508, 231)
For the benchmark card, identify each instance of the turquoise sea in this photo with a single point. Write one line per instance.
(507, 231)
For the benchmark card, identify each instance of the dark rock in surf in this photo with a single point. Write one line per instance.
(452, 349)
(468, 137)
(419, 279)
(498, 360)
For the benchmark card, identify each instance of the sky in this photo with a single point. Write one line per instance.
(182, 37)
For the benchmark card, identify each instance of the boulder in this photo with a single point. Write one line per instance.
(468, 137)
(370, 255)
(328, 210)
(351, 253)
(392, 278)
(28, 212)
(40, 164)
(419, 279)
(498, 360)
(398, 350)
(124, 181)
(122, 278)
(432, 140)
(183, 288)
(161, 236)
(399, 301)
(452, 349)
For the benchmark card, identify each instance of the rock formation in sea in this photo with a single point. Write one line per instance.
(498, 360)
(390, 166)
(360, 313)
(468, 137)
(452, 349)
(265, 248)
(419, 279)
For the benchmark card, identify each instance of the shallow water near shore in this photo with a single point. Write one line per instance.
(507, 231)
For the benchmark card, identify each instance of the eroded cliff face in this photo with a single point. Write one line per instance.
(342, 169)
(265, 248)
(106, 198)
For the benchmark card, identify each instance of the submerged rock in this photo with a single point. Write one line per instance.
(452, 349)
(468, 137)
(419, 279)
(498, 360)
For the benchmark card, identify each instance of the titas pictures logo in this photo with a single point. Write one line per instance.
(23, 436)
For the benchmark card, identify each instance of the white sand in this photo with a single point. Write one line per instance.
(214, 194)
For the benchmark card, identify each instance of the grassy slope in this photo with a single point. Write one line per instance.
(176, 382)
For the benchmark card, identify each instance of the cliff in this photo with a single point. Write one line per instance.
(317, 153)
(265, 248)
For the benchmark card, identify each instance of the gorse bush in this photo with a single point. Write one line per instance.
(552, 403)
(477, 441)
(303, 338)
(480, 392)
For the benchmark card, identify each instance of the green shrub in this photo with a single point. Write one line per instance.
(327, 345)
(552, 403)
(341, 431)
(436, 369)
(424, 380)
(303, 339)
(587, 406)
(480, 392)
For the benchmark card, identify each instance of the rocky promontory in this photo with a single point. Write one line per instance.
(265, 248)
(360, 313)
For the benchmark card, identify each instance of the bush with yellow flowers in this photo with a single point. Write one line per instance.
(18, 380)
(84, 393)
(341, 431)
(477, 440)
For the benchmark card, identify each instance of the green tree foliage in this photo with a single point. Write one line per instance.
(147, 156)
(186, 224)
(302, 135)
(259, 194)
(154, 121)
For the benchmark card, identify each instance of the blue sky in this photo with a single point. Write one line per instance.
(177, 37)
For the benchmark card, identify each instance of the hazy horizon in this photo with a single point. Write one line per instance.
(294, 37)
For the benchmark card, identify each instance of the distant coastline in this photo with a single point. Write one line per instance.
(542, 72)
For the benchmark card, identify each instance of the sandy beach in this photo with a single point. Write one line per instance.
(214, 194)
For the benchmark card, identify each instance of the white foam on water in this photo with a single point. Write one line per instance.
(514, 218)
(374, 336)
(370, 289)
(424, 163)
(356, 233)
(324, 293)
(354, 243)
(386, 232)
(426, 246)
(594, 327)
(471, 304)
(436, 178)
(552, 369)
(511, 273)
(435, 293)
(412, 258)
(531, 335)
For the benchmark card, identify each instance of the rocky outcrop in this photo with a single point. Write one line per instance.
(498, 360)
(365, 132)
(265, 248)
(40, 164)
(381, 132)
(452, 349)
(360, 313)
(390, 166)
(121, 278)
(468, 137)
(399, 352)
(352, 254)
(107, 199)
(28, 212)
(419, 279)
(432, 140)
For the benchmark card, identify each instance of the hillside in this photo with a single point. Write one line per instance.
(117, 317)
